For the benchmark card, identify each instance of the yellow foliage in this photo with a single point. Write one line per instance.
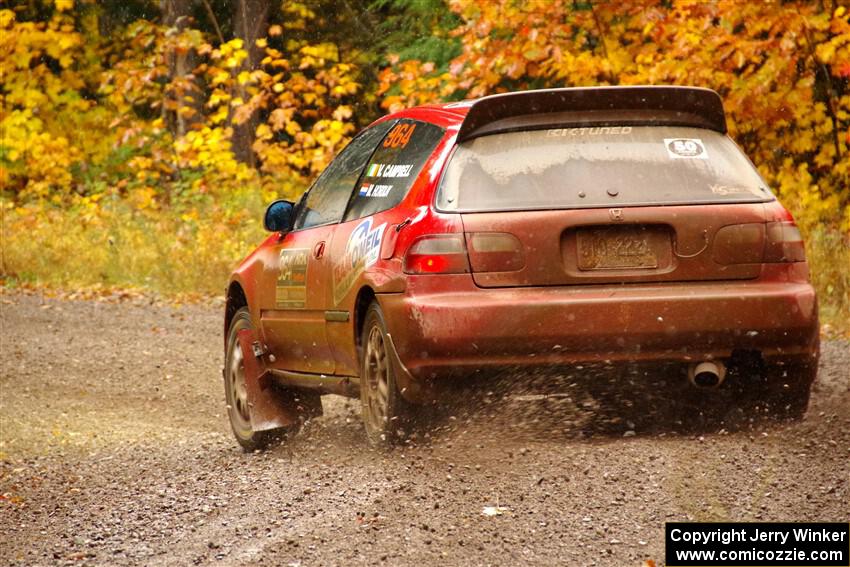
(132, 242)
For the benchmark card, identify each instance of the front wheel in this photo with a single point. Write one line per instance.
(300, 405)
(236, 391)
(386, 414)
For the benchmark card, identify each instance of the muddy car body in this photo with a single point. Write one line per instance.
(536, 228)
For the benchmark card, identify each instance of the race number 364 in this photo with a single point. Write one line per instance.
(399, 136)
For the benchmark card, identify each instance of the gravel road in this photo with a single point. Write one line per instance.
(115, 450)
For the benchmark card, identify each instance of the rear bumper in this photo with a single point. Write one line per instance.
(447, 333)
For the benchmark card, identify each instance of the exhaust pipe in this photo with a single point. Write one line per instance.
(707, 374)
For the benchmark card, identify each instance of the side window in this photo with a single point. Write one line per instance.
(394, 167)
(325, 202)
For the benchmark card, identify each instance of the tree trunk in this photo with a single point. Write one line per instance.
(250, 23)
(182, 91)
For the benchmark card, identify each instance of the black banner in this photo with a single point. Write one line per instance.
(766, 544)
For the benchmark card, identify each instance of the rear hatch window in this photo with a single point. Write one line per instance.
(600, 166)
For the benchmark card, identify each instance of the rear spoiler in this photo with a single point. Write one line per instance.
(597, 106)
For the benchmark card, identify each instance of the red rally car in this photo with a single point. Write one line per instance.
(548, 227)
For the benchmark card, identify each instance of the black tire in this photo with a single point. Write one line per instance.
(386, 414)
(789, 390)
(303, 404)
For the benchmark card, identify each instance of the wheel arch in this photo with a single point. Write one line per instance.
(365, 296)
(236, 300)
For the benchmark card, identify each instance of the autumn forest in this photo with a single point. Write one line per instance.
(141, 139)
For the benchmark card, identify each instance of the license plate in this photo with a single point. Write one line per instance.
(615, 249)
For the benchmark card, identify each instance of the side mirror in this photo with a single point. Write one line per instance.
(279, 216)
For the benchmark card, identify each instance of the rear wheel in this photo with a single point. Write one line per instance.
(386, 415)
(789, 389)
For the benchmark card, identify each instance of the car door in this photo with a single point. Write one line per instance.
(355, 246)
(293, 318)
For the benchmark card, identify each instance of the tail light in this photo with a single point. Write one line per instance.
(783, 243)
(437, 254)
(752, 243)
(495, 252)
(739, 244)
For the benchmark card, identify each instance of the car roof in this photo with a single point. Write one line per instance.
(582, 106)
(444, 115)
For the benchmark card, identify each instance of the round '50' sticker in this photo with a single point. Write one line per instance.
(685, 148)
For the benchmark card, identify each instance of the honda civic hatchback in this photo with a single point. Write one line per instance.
(550, 227)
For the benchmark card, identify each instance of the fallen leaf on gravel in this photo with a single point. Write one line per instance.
(494, 510)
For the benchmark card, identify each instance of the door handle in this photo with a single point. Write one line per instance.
(319, 250)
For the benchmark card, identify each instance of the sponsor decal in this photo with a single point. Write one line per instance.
(374, 190)
(361, 251)
(389, 170)
(685, 148)
(729, 190)
(596, 131)
(291, 287)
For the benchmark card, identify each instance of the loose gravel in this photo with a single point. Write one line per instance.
(115, 450)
